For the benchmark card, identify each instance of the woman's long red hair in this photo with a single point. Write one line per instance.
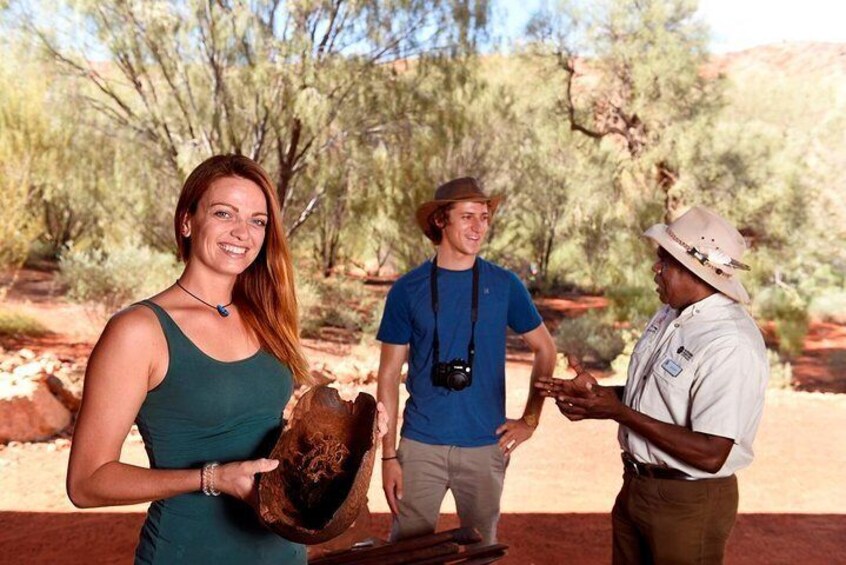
(264, 292)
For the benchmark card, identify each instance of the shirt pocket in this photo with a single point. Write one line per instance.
(672, 375)
(669, 399)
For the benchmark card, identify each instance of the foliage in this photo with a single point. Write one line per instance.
(783, 306)
(620, 365)
(591, 337)
(334, 302)
(459, 126)
(781, 371)
(830, 306)
(110, 280)
(787, 201)
(627, 82)
(550, 178)
(281, 83)
(611, 119)
(648, 89)
(631, 304)
(630, 80)
(22, 137)
(308, 302)
(64, 180)
(16, 324)
(374, 320)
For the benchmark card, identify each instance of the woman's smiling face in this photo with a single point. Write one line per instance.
(227, 231)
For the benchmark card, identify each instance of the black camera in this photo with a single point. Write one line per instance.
(453, 375)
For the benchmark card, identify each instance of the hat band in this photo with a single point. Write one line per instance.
(714, 259)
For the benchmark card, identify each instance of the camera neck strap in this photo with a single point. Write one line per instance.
(474, 312)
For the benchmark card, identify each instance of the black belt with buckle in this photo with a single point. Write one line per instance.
(653, 471)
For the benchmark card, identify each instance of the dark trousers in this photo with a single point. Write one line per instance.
(666, 521)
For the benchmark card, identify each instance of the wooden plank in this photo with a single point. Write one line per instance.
(437, 553)
(461, 536)
(488, 552)
(483, 560)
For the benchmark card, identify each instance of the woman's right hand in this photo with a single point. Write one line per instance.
(238, 479)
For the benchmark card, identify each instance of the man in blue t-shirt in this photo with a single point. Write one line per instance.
(448, 319)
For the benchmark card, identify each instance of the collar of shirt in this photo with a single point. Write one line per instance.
(664, 323)
(706, 306)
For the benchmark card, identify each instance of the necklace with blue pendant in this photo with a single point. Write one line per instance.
(221, 308)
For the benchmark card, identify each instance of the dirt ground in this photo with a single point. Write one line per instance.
(559, 488)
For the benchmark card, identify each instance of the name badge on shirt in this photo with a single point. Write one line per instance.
(671, 367)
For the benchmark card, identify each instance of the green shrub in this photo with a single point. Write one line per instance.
(308, 302)
(339, 316)
(632, 304)
(592, 337)
(781, 372)
(342, 304)
(825, 278)
(620, 364)
(785, 308)
(109, 280)
(17, 225)
(20, 325)
(830, 306)
(371, 327)
(334, 302)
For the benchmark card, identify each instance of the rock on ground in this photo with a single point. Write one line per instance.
(28, 411)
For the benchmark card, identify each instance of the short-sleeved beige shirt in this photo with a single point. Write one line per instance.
(704, 368)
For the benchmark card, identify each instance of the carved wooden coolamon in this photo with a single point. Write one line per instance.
(325, 458)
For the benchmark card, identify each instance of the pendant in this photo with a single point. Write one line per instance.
(221, 309)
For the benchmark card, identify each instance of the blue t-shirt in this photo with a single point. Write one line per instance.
(436, 415)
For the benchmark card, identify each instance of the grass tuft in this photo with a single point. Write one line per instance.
(14, 324)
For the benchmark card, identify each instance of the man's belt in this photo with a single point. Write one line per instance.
(653, 471)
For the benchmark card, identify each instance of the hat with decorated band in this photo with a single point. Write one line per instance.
(708, 246)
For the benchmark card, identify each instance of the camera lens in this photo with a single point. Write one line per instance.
(457, 380)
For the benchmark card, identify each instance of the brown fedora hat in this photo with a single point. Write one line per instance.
(464, 189)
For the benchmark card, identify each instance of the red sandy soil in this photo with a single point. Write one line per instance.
(560, 485)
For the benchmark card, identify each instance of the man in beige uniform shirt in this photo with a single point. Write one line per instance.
(692, 403)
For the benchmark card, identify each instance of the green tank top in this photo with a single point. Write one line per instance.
(209, 410)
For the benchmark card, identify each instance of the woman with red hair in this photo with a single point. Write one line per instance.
(205, 369)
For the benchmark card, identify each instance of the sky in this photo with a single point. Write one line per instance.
(735, 24)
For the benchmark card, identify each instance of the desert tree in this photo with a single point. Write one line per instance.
(461, 127)
(554, 176)
(267, 79)
(629, 75)
(23, 137)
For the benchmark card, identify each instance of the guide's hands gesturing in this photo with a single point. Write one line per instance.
(581, 386)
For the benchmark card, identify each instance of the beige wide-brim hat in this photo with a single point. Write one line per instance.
(708, 246)
(465, 189)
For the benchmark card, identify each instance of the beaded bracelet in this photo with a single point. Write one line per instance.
(207, 479)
